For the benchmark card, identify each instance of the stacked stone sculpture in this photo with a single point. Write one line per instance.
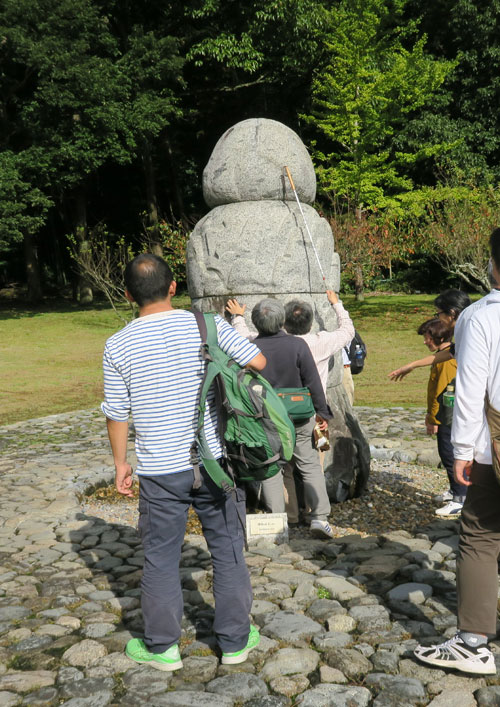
(254, 244)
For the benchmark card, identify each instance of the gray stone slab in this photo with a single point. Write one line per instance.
(290, 661)
(334, 639)
(335, 696)
(241, 686)
(409, 689)
(290, 627)
(187, 698)
(415, 592)
(259, 249)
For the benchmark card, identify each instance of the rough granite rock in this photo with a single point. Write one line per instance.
(335, 696)
(247, 165)
(290, 627)
(488, 696)
(351, 662)
(411, 591)
(187, 698)
(290, 661)
(261, 249)
(452, 698)
(410, 690)
(85, 653)
(241, 686)
(25, 681)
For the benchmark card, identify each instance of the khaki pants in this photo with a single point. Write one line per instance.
(306, 460)
(348, 384)
(478, 551)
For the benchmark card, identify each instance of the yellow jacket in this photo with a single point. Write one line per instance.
(441, 374)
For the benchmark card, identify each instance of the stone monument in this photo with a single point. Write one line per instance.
(254, 244)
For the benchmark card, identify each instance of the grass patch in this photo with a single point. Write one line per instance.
(50, 356)
(21, 662)
(323, 593)
(388, 325)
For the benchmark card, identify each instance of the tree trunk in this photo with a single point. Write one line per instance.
(152, 202)
(32, 269)
(359, 284)
(85, 294)
(176, 192)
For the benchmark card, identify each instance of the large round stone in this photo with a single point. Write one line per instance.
(248, 162)
(261, 248)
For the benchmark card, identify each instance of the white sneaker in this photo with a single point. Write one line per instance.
(443, 497)
(456, 654)
(450, 510)
(320, 528)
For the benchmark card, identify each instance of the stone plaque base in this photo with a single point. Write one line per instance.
(267, 526)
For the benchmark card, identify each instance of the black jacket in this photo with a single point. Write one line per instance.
(290, 365)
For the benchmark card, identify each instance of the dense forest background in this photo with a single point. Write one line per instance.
(110, 110)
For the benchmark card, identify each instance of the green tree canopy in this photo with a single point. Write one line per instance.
(369, 88)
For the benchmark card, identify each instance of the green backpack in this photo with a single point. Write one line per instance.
(257, 433)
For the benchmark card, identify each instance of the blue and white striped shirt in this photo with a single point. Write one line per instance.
(153, 369)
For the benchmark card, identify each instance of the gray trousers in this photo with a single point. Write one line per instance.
(478, 551)
(163, 505)
(306, 460)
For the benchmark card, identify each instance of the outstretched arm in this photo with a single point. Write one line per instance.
(440, 357)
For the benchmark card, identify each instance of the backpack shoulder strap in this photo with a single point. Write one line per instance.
(202, 325)
(211, 329)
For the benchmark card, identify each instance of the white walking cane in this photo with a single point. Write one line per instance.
(305, 224)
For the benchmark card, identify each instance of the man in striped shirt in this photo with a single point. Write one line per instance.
(153, 369)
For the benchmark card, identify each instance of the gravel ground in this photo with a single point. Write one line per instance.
(399, 496)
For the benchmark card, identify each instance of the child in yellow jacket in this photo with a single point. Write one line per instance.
(437, 336)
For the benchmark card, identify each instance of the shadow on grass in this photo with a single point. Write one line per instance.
(22, 309)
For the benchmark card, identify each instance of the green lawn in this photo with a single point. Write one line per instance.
(388, 325)
(50, 357)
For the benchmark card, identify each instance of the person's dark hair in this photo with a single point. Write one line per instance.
(298, 317)
(452, 302)
(437, 330)
(148, 278)
(495, 247)
(422, 329)
(268, 316)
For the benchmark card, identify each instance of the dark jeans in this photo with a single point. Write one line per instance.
(163, 505)
(445, 449)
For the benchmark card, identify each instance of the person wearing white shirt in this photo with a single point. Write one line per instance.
(478, 381)
(299, 317)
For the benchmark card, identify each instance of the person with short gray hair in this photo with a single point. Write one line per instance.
(268, 316)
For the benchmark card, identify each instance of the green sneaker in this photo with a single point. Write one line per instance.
(241, 656)
(168, 660)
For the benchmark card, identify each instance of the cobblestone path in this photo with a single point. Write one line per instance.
(338, 619)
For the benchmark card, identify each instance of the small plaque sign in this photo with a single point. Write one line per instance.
(267, 526)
